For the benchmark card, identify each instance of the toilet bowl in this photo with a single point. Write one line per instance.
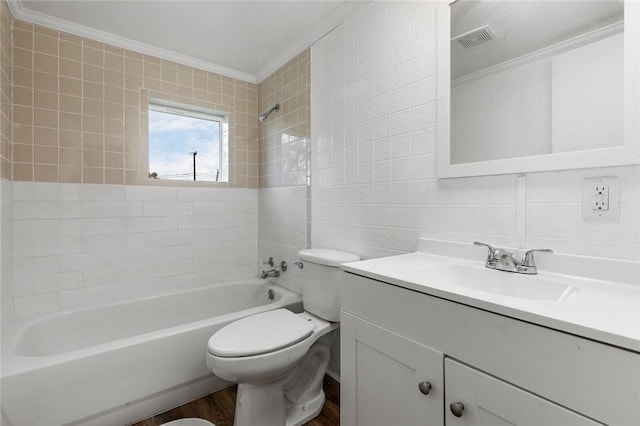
(279, 358)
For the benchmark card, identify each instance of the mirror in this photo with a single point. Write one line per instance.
(537, 85)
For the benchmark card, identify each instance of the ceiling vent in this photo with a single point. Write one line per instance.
(475, 37)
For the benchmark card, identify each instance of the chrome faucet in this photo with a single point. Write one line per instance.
(503, 260)
(270, 273)
(275, 269)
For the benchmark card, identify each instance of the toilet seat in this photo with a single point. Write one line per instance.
(260, 334)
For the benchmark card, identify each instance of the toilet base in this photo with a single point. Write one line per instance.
(260, 405)
(299, 414)
(290, 401)
(266, 405)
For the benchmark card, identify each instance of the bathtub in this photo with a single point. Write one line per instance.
(119, 363)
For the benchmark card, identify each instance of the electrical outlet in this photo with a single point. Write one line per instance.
(600, 198)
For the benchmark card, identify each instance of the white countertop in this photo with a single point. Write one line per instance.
(600, 310)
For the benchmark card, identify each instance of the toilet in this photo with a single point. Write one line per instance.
(279, 358)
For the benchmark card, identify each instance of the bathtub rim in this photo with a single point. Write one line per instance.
(13, 363)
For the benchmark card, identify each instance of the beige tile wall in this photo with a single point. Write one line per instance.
(284, 136)
(6, 23)
(80, 110)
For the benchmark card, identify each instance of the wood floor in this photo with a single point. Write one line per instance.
(219, 408)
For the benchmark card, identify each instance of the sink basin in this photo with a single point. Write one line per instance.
(502, 283)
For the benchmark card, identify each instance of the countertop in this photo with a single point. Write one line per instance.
(601, 310)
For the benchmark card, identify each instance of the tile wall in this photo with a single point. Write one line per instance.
(374, 180)
(80, 109)
(6, 253)
(72, 234)
(6, 23)
(82, 244)
(284, 135)
(6, 197)
(374, 184)
(282, 229)
(284, 166)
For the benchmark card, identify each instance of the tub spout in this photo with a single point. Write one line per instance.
(270, 273)
(275, 271)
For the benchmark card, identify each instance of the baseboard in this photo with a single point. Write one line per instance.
(333, 375)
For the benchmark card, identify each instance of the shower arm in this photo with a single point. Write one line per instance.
(266, 115)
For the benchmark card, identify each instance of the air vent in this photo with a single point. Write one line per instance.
(474, 38)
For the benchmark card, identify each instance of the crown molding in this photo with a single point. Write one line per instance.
(348, 8)
(20, 12)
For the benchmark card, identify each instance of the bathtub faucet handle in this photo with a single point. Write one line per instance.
(268, 262)
(300, 265)
(275, 269)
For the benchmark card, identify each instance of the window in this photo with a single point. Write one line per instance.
(187, 143)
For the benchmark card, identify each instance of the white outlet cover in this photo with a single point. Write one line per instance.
(588, 198)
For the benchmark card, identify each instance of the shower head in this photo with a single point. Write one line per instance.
(265, 115)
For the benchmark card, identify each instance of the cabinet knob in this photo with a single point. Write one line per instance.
(457, 408)
(424, 387)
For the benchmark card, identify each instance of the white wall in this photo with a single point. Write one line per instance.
(374, 187)
(6, 252)
(282, 230)
(76, 245)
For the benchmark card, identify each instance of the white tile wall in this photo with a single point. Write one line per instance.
(6, 252)
(554, 214)
(76, 245)
(282, 229)
(374, 187)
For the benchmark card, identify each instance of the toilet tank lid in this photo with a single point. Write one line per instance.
(327, 256)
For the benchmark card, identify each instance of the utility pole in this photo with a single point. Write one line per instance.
(194, 153)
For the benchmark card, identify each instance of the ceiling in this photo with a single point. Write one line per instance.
(523, 27)
(241, 39)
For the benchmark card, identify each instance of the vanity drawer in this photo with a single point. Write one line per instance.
(592, 378)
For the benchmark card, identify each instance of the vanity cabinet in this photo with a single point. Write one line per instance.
(504, 370)
(477, 399)
(392, 380)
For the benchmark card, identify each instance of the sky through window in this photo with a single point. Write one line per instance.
(173, 138)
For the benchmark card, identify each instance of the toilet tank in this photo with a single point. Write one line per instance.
(321, 280)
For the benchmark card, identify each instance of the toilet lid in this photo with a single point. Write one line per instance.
(259, 334)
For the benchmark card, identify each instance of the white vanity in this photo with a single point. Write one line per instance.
(434, 338)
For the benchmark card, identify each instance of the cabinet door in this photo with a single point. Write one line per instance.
(488, 401)
(384, 378)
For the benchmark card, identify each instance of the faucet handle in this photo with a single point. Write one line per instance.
(528, 260)
(268, 262)
(493, 252)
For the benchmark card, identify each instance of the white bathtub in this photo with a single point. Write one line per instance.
(119, 363)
